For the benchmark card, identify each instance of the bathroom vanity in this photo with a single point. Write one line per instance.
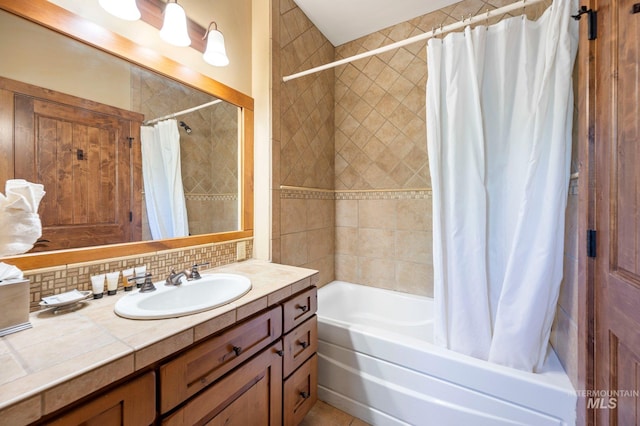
(252, 361)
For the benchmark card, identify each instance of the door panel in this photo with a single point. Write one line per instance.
(617, 185)
(83, 159)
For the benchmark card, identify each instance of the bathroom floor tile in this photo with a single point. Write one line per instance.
(323, 414)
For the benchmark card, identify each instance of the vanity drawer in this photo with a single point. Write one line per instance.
(300, 392)
(300, 308)
(208, 361)
(250, 395)
(300, 344)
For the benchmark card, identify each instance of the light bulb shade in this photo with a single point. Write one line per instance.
(123, 9)
(174, 28)
(216, 54)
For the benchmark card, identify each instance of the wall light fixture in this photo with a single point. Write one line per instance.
(174, 28)
(216, 53)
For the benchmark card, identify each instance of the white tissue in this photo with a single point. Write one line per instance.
(20, 225)
(10, 272)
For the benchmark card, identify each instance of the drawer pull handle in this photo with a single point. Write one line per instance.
(304, 308)
(304, 344)
(280, 352)
(305, 395)
(237, 350)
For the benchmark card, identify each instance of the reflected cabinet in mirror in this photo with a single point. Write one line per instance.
(102, 130)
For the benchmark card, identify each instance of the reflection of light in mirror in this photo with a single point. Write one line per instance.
(123, 9)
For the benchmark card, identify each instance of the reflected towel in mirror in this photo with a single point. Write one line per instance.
(20, 225)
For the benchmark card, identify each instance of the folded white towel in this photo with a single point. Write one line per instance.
(9, 272)
(21, 195)
(20, 225)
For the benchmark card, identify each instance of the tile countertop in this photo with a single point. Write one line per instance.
(67, 356)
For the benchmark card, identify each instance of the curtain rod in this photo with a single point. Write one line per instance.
(425, 36)
(183, 112)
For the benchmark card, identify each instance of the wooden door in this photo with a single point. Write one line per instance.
(617, 207)
(81, 152)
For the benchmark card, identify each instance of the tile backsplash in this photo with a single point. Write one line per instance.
(59, 279)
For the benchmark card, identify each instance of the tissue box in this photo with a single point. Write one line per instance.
(14, 305)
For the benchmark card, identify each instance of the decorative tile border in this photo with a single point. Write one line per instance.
(306, 193)
(368, 194)
(50, 281)
(211, 197)
(385, 194)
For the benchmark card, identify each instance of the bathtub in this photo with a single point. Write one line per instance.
(377, 362)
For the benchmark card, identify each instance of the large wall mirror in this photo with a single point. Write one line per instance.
(51, 64)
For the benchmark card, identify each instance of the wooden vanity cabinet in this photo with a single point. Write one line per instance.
(261, 371)
(133, 403)
(250, 395)
(300, 366)
(202, 365)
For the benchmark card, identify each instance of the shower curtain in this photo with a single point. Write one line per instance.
(499, 118)
(162, 176)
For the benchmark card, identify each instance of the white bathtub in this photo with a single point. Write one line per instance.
(378, 363)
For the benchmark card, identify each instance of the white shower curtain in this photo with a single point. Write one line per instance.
(162, 175)
(499, 118)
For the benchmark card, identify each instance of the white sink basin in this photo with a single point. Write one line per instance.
(210, 291)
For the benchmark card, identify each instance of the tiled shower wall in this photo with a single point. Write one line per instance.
(383, 188)
(303, 224)
(209, 154)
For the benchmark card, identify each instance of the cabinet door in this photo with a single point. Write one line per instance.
(131, 404)
(300, 392)
(299, 345)
(250, 395)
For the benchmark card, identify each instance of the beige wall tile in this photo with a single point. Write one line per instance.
(294, 249)
(377, 272)
(347, 268)
(414, 246)
(321, 243)
(414, 278)
(346, 213)
(376, 243)
(415, 215)
(379, 214)
(293, 215)
(320, 213)
(346, 240)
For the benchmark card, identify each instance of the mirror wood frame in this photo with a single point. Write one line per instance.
(62, 21)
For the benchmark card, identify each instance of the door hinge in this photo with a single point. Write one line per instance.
(130, 139)
(591, 243)
(130, 216)
(592, 31)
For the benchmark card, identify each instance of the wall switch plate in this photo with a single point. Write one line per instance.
(241, 250)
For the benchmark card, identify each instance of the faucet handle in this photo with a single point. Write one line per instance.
(148, 284)
(172, 274)
(195, 275)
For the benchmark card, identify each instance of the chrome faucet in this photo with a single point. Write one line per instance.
(148, 284)
(176, 278)
(195, 275)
